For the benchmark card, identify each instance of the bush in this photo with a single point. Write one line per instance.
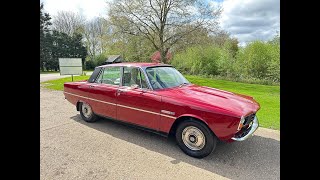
(210, 60)
(259, 60)
(97, 61)
(90, 65)
(100, 59)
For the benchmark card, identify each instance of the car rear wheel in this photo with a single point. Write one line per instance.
(195, 138)
(86, 113)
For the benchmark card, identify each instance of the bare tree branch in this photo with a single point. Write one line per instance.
(68, 22)
(163, 22)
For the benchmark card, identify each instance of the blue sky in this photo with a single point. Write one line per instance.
(246, 20)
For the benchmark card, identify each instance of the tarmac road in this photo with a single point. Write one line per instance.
(73, 149)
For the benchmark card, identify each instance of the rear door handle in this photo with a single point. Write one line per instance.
(91, 86)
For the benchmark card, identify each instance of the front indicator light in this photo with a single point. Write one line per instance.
(241, 123)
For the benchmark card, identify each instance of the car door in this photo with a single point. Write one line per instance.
(137, 104)
(85, 88)
(103, 91)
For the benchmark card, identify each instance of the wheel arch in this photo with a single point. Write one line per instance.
(185, 117)
(78, 105)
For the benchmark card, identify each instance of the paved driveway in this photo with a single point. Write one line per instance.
(73, 149)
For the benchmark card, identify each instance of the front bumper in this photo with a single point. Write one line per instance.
(247, 132)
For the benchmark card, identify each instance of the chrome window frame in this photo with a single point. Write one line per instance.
(101, 71)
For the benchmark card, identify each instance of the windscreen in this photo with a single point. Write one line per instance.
(165, 77)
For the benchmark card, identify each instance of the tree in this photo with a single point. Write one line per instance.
(44, 40)
(275, 39)
(96, 33)
(231, 44)
(91, 38)
(132, 48)
(65, 46)
(200, 37)
(259, 60)
(163, 22)
(104, 33)
(68, 22)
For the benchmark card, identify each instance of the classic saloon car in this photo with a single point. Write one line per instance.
(158, 98)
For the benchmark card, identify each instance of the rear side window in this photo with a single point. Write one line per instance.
(109, 75)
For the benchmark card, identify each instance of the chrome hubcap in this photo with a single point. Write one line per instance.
(193, 138)
(86, 110)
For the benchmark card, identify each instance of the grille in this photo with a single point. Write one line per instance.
(249, 119)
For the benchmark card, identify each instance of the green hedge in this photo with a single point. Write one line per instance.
(258, 61)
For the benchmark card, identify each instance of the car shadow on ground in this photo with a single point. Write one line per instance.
(256, 158)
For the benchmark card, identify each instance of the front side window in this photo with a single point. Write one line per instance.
(133, 76)
(109, 75)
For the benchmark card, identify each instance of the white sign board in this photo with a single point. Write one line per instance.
(70, 66)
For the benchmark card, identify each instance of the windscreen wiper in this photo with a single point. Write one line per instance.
(182, 84)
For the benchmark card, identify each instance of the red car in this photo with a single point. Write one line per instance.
(156, 97)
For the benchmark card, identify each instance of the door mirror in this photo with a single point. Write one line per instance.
(134, 86)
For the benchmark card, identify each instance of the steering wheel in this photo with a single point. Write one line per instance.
(152, 82)
(160, 82)
(107, 81)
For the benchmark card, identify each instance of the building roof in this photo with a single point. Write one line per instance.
(136, 64)
(113, 58)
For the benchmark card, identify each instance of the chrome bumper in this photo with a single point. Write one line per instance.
(253, 128)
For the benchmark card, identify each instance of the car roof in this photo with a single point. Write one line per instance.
(135, 64)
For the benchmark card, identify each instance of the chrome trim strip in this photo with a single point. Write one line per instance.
(138, 109)
(122, 106)
(254, 127)
(91, 99)
(172, 117)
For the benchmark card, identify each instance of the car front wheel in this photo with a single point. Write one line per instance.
(87, 113)
(195, 139)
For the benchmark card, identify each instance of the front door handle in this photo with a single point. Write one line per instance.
(119, 91)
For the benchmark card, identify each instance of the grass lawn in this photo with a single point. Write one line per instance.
(57, 84)
(267, 96)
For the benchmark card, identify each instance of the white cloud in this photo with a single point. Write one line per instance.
(250, 20)
(247, 20)
(88, 8)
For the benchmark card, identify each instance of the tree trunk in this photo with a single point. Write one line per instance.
(163, 55)
(163, 58)
(42, 68)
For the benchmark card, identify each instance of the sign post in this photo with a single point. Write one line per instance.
(70, 66)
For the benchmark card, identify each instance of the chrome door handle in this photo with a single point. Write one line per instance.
(91, 86)
(119, 91)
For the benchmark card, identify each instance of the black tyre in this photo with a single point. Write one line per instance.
(195, 138)
(86, 113)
